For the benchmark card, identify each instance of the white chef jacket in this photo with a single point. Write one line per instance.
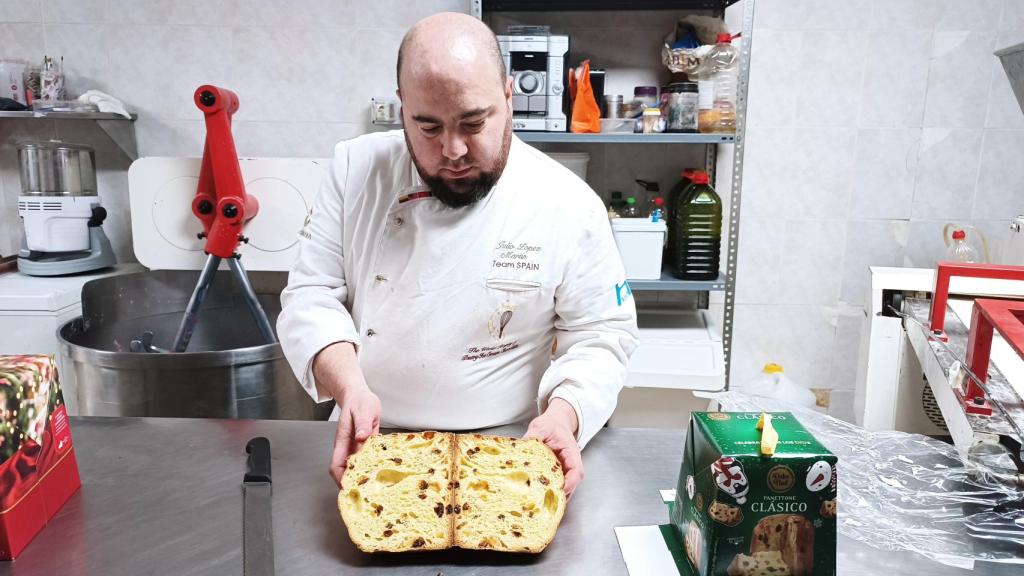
(456, 312)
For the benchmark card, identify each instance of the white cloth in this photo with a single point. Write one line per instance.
(105, 102)
(455, 312)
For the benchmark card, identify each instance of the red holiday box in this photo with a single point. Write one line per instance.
(38, 471)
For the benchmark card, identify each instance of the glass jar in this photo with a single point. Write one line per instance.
(682, 107)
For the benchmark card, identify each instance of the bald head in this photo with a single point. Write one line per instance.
(450, 44)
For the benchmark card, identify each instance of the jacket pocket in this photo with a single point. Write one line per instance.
(513, 285)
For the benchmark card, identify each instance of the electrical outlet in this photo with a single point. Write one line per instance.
(383, 110)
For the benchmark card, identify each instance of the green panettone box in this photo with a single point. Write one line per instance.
(743, 514)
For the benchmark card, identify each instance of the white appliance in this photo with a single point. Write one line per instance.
(164, 230)
(60, 210)
(537, 67)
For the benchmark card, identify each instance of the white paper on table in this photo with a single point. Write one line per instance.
(645, 552)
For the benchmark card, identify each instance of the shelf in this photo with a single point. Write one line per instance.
(667, 283)
(117, 127)
(590, 5)
(68, 115)
(625, 138)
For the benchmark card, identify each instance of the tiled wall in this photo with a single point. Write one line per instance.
(304, 70)
(871, 124)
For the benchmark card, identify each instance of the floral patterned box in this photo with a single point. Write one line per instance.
(38, 470)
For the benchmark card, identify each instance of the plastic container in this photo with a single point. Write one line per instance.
(724, 63)
(652, 120)
(657, 209)
(575, 161)
(640, 242)
(773, 383)
(648, 95)
(959, 250)
(696, 246)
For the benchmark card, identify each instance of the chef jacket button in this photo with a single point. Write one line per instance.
(380, 278)
(370, 332)
(399, 221)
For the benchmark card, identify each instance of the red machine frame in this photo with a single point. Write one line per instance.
(987, 317)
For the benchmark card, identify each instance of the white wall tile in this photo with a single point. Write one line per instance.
(806, 336)
(996, 233)
(780, 15)
(773, 78)
(976, 15)
(947, 172)
(758, 278)
(1012, 17)
(1001, 177)
(870, 243)
(206, 13)
(843, 15)
(959, 79)
(202, 55)
(391, 14)
(798, 173)
(159, 137)
(884, 173)
(755, 341)
(831, 69)
(23, 41)
(812, 262)
(925, 246)
(895, 79)
(21, 11)
(845, 351)
(74, 11)
(907, 14)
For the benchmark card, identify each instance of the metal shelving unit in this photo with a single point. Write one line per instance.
(668, 283)
(625, 138)
(121, 130)
(726, 282)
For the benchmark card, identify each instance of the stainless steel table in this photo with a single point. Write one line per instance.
(162, 496)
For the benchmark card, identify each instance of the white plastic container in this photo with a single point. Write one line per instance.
(640, 243)
(575, 161)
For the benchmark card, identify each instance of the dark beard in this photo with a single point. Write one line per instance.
(477, 189)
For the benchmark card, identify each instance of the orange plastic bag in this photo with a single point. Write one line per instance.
(586, 116)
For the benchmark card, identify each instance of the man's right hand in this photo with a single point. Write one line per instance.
(338, 375)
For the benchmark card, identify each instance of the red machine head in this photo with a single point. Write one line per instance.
(221, 203)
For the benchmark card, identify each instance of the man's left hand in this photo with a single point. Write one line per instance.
(556, 427)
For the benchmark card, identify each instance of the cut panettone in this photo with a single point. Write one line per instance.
(511, 493)
(395, 492)
(428, 491)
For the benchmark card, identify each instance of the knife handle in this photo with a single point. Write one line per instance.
(258, 463)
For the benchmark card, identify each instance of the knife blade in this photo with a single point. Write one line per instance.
(257, 520)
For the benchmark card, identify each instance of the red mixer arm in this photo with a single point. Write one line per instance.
(221, 203)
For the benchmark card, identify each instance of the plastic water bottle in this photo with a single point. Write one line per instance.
(656, 212)
(773, 383)
(960, 250)
(631, 210)
(724, 63)
(696, 239)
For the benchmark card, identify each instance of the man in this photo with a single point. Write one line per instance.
(452, 277)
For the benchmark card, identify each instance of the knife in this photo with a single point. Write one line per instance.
(257, 525)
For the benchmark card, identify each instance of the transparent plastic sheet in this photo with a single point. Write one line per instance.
(908, 492)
